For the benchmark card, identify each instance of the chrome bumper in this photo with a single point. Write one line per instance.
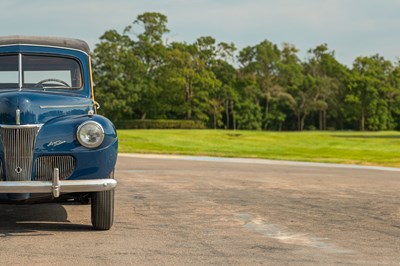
(57, 186)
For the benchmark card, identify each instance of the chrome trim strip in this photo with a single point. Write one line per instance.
(21, 126)
(70, 92)
(56, 183)
(20, 70)
(49, 46)
(65, 106)
(18, 117)
(65, 186)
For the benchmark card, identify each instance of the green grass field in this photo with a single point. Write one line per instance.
(371, 148)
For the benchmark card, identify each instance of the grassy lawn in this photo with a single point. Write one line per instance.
(371, 148)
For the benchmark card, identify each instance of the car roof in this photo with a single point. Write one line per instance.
(47, 41)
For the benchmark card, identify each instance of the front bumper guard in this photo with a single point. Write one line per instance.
(57, 186)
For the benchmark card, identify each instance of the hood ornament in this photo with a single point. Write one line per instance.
(17, 117)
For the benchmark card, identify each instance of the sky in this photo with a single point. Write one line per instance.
(351, 28)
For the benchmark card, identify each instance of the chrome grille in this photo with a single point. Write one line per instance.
(18, 143)
(44, 167)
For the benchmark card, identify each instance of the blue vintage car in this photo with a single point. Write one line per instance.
(52, 142)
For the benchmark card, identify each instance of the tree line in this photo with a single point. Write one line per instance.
(139, 75)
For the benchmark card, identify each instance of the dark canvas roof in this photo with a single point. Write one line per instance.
(41, 40)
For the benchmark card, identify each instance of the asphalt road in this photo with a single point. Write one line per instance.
(204, 212)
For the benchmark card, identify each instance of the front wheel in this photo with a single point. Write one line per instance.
(102, 209)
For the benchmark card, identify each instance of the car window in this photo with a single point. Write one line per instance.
(40, 72)
(9, 72)
(50, 72)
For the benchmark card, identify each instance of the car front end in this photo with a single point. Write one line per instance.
(52, 141)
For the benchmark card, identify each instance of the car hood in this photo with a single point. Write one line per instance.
(40, 107)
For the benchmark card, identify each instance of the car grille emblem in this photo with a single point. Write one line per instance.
(18, 170)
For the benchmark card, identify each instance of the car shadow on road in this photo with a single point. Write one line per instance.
(36, 219)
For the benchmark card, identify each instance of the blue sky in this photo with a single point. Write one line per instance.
(350, 27)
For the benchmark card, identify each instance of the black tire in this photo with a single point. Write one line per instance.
(102, 210)
(102, 206)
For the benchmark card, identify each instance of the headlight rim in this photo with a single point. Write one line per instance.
(86, 145)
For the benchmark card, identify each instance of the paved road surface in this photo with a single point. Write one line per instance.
(202, 212)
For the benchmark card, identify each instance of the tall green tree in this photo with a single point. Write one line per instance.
(227, 93)
(138, 75)
(291, 78)
(393, 96)
(117, 75)
(319, 67)
(216, 58)
(187, 71)
(263, 61)
(149, 47)
(367, 92)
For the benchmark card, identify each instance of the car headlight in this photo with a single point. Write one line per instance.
(90, 134)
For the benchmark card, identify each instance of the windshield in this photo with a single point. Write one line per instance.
(39, 72)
